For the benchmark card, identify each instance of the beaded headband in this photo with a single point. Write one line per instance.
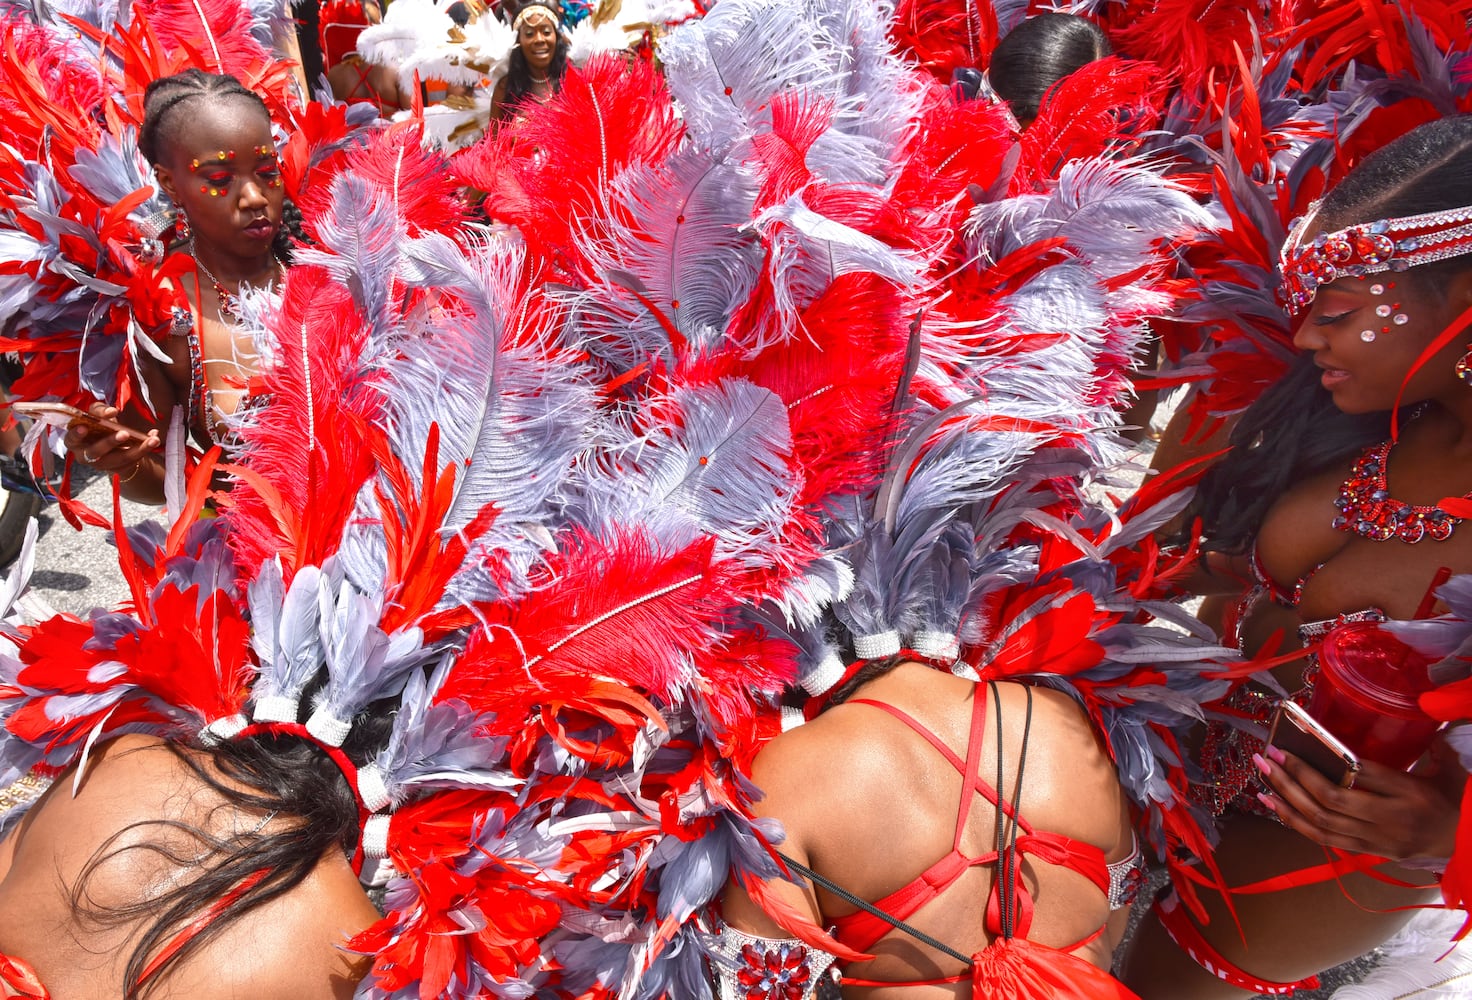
(532, 10)
(1384, 245)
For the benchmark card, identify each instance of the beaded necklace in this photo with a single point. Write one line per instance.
(229, 301)
(1367, 509)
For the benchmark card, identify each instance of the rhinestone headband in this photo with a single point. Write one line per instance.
(1384, 245)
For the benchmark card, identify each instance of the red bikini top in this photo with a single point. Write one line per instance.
(862, 930)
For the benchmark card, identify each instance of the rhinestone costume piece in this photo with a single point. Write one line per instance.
(748, 967)
(1385, 245)
(1367, 509)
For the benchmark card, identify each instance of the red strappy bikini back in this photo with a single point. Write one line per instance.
(861, 930)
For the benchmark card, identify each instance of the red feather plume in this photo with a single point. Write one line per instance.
(552, 168)
(1373, 33)
(798, 120)
(414, 180)
(310, 447)
(215, 33)
(611, 619)
(1190, 40)
(839, 370)
(945, 35)
(1103, 107)
(956, 146)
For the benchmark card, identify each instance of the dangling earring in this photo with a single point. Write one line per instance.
(181, 226)
(1464, 365)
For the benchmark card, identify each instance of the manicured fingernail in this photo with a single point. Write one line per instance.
(1277, 754)
(1267, 800)
(1262, 765)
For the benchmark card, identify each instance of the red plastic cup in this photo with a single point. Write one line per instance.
(1366, 695)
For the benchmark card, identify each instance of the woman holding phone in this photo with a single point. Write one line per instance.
(209, 141)
(1326, 515)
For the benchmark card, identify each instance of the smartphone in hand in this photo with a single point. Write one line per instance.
(1298, 733)
(62, 415)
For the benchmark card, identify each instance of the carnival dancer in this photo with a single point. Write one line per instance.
(348, 74)
(106, 260)
(537, 63)
(484, 61)
(1331, 505)
(574, 510)
(209, 141)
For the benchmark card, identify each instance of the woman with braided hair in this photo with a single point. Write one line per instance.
(1338, 507)
(209, 141)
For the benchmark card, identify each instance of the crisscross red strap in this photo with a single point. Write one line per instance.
(861, 930)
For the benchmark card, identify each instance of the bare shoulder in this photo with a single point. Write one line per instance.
(1297, 533)
(118, 821)
(1071, 784)
(824, 770)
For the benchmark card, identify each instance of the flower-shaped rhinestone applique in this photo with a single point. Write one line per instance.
(777, 972)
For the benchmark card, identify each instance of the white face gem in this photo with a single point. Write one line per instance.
(1377, 289)
(1400, 319)
(1368, 336)
(1382, 310)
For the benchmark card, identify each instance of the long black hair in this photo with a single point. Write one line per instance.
(1038, 53)
(305, 809)
(164, 102)
(519, 75)
(1294, 430)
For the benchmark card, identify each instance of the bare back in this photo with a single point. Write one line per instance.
(288, 948)
(870, 804)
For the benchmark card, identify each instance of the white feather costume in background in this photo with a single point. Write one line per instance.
(418, 40)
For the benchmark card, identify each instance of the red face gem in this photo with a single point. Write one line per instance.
(1374, 248)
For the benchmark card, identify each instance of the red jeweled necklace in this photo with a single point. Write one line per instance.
(1367, 509)
(230, 301)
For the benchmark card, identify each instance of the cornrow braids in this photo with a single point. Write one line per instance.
(167, 95)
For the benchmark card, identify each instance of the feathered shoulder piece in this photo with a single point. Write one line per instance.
(85, 288)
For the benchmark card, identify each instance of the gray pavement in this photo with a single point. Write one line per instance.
(77, 571)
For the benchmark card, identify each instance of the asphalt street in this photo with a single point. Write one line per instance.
(76, 571)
